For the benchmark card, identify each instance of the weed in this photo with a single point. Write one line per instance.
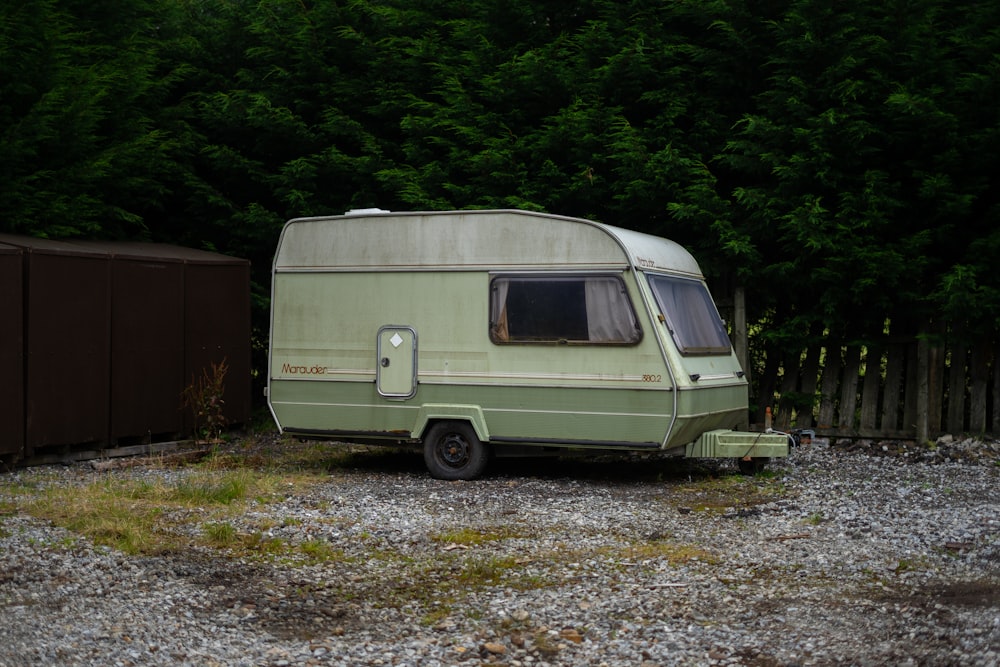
(436, 615)
(264, 545)
(210, 491)
(220, 534)
(204, 397)
(487, 571)
(319, 551)
(815, 519)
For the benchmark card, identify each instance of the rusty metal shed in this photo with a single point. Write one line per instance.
(113, 332)
(11, 352)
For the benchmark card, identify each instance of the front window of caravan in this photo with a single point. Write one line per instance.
(690, 315)
(562, 309)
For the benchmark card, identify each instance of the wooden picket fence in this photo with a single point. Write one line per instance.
(907, 387)
(917, 382)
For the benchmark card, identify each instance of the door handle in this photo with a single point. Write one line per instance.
(385, 362)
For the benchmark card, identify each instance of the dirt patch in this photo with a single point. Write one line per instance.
(966, 594)
(271, 599)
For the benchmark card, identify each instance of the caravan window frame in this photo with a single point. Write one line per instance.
(569, 291)
(693, 335)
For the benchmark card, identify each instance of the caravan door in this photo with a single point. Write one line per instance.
(396, 370)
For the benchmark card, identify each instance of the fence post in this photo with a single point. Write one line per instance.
(828, 385)
(923, 388)
(956, 387)
(809, 377)
(979, 379)
(786, 403)
(849, 387)
(910, 387)
(996, 388)
(740, 330)
(869, 390)
(935, 383)
(895, 362)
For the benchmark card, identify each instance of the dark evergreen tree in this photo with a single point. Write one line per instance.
(79, 89)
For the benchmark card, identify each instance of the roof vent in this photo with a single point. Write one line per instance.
(366, 211)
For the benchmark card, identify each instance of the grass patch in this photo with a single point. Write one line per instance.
(207, 490)
(318, 551)
(814, 519)
(150, 517)
(222, 535)
(437, 588)
(662, 550)
(482, 572)
(720, 494)
(476, 536)
(122, 516)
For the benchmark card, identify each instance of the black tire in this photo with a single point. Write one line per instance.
(753, 466)
(453, 451)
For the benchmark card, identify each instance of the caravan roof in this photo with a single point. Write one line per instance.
(471, 240)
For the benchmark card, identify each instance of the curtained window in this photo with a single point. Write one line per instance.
(690, 315)
(562, 309)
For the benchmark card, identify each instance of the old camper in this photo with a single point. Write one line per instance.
(481, 333)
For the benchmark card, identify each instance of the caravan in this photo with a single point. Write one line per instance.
(481, 333)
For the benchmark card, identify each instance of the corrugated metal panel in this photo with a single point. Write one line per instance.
(176, 311)
(112, 333)
(11, 352)
(217, 328)
(147, 347)
(68, 306)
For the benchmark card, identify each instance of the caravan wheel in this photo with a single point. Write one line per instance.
(453, 451)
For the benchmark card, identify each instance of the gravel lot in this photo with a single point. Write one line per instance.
(852, 553)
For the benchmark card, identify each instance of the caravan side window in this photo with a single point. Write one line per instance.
(690, 315)
(562, 309)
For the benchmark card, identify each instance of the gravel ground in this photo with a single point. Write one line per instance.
(853, 553)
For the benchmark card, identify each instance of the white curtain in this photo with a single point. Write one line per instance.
(498, 311)
(605, 305)
(692, 316)
(609, 320)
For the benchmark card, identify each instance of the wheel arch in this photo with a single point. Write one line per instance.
(431, 413)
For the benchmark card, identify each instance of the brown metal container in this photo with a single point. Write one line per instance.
(99, 340)
(176, 311)
(67, 343)
(147, 344)
(217, 326)
(11, 352)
